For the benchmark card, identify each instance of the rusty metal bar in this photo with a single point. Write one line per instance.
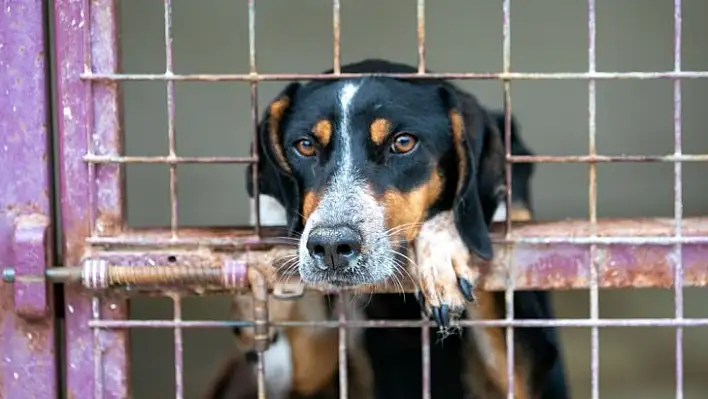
(425, 330)
(169, 160)
(82, 27)
(88, 119)
(336, 37)
(179, 348)
(594, 158)
(630, 232)
(452, 75)
(592, 205)
(574, 323)
(108, 159)
(425, 357)
(342, 332)
(253, 70)
(678, 201)
(98, 375)
(420, 14)
(169, 70)
(510, 283)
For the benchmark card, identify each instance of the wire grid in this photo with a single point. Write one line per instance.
(594, 322)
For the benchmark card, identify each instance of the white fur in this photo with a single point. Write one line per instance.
(278, 368)
(271, 212)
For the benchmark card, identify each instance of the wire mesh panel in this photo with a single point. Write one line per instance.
(101, 252)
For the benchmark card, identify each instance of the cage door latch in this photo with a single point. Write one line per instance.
(31, 251)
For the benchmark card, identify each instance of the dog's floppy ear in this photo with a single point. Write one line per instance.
(275, 175)
(479, 165)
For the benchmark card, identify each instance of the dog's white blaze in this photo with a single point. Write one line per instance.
(279, 368)
(346, 98)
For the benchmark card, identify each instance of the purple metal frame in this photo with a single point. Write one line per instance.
(101, 252)
(28, 367)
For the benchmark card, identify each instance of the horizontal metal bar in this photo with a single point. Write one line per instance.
(654, 231)
(606, 158)
(169, 160)
(643, 256)
(252, 77)
(405, 323)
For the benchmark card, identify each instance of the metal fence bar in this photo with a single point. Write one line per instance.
(98, 375)
(109, 159)
(439, 75)
(179, 348)
(575, 323)
(336, 36)
(592, 194)
(169, 70)
(425, 330)
(510, 272)
(678, 201)
(341, 303)
(261, 317)
(28, 364)
(73, 21)
(253, 70)
(342, 332)
(624, 232)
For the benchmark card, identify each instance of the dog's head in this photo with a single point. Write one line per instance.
(360, 164)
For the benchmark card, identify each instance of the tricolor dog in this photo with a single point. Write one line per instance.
(371, 169)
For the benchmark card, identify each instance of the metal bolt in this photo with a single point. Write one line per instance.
(8, 275)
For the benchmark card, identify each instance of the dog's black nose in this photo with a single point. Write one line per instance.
(334, 247)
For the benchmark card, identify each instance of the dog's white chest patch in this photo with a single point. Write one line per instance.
(279, 369)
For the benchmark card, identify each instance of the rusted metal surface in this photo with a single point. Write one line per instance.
(88, 116)
(27, 347)
(644, 262)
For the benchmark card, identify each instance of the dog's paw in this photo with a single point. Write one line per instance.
(446, 279)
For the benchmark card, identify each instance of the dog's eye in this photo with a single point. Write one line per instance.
(305, 147)
(403, 143)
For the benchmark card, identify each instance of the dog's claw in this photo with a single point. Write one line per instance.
(466, 289)
(421, 301)
(445, 315)
(441, 315)
(436, 316)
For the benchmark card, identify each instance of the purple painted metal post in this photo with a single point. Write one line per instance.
(27, 351)
(88, 115)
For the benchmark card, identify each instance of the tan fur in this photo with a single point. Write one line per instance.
(309, 204)
(315, 355)
(379, 130)
(277, 110)
(458, 141)
(323, 132)
(405, 212)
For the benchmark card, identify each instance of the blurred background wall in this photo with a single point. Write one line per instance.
(633, 117)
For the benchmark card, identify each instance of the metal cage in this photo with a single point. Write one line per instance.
(101, 255)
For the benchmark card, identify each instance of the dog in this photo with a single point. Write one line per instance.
(360, 167)
(300, 362)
